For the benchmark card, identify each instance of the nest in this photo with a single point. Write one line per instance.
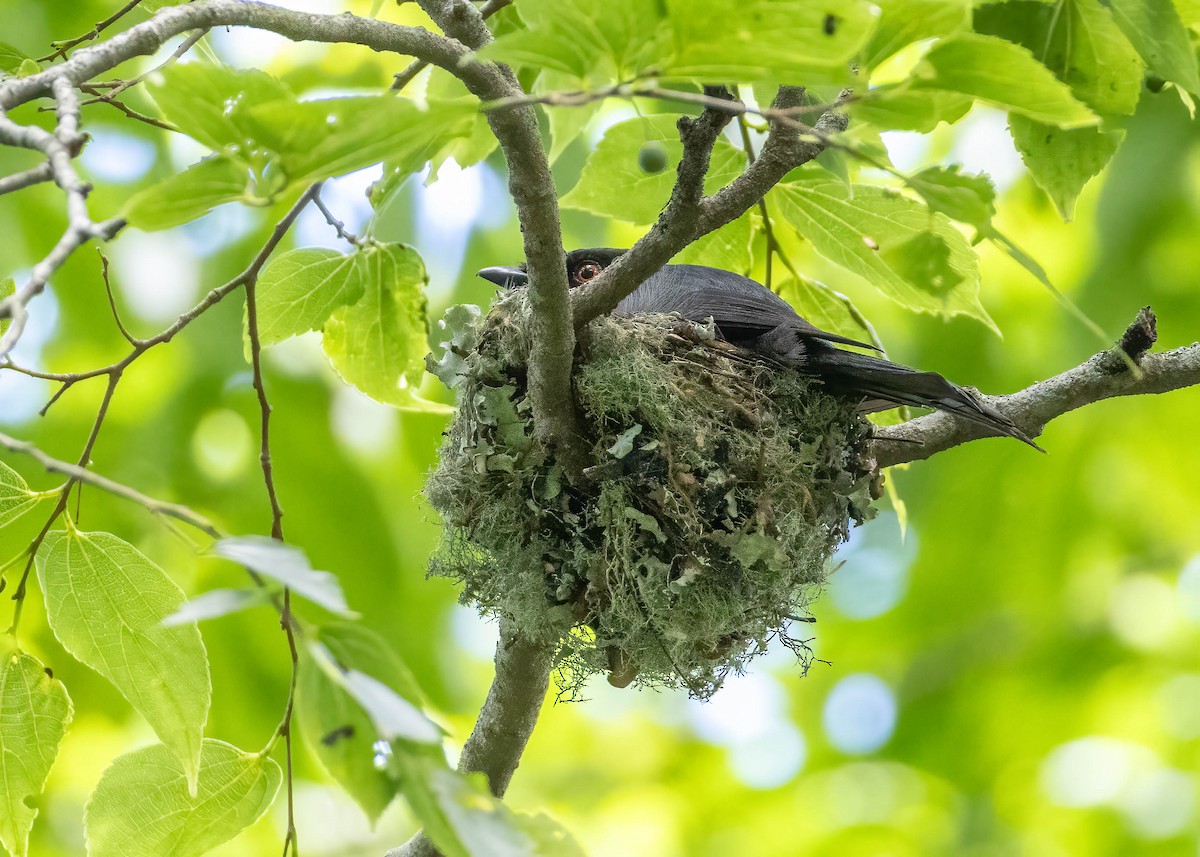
(722, 485)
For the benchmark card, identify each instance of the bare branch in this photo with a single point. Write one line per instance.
(82, 474)
(59, 148)
(1104, 376)
(148, 37)
(18, 181)
(61, 48)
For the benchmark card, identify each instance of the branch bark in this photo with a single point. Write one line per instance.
(1107, 375)
(689, 214)
(505, 722)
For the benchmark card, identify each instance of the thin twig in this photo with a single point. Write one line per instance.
(34, 175)
(61, 48)
(286, 620)
(60, 506)
(115, 88)
(112, 302)
(89, 477)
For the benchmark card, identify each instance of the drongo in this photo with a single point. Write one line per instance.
(752, 317)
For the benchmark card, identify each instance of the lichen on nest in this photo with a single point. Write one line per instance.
(722, 485)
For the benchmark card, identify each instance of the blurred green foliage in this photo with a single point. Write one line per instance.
(1036, 630)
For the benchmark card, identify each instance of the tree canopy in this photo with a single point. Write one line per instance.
(230, 231)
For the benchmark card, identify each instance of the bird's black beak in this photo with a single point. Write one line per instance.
(505, 278)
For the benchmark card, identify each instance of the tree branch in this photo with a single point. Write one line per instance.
(1105, 376)
(82, 474)
(505, 722)
(689, 215)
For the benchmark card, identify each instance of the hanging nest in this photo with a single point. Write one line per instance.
(722, 484)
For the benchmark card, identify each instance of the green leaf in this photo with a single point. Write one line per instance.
(338, 730)
(727, 247)
(11, 58)
(28, 67)
(596, 41)
(298, 291)
(965, 198)
(767, 39)
(1078, 41)
(823, 307)
(393, 717)
(15, 497)
(314, 140)
(379, 343)
(858, 228)
(902, 108)
(185, 196)
(1003, 74)
(467, 148)
(1157, 32)
(8, 288)
(105, 602)
(216, 603)
(142, 807)
(287, 564)
(903, 22)
(613, 185)
(208, 101)
(464, 820)
(1062, 162)
(34, 713)
(567, 124)
(923, 260)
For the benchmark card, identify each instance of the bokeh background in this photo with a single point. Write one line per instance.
(1017, 672)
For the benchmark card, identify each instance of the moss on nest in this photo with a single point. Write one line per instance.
(722, 485)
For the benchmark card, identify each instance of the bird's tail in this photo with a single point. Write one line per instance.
(883, 384)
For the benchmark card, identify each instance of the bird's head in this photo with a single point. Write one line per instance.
(583, 266)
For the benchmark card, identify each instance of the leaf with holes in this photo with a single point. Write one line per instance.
(105, 602)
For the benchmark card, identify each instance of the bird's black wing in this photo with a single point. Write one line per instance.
(741, 308)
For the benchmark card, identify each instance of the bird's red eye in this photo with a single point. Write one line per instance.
(587, 272)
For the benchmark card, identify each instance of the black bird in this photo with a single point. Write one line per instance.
(751, 316)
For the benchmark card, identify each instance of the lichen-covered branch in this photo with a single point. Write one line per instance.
(690, 215)
(1105, 376)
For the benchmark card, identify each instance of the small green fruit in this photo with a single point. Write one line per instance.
(652, 157)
